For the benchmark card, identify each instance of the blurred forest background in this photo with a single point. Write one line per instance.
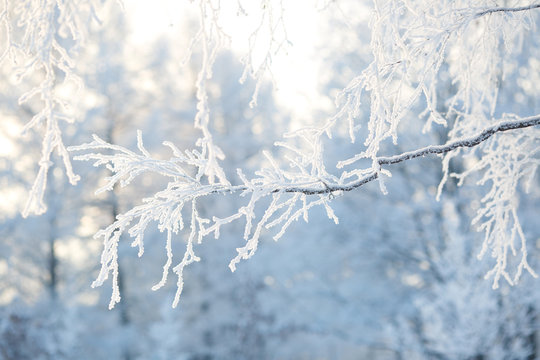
(398, 278)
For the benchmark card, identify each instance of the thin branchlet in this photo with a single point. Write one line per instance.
(40, 50)
(507, 9)
(467, 142)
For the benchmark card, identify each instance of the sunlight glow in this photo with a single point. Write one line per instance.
(151, 20)
(295, 66)
(9, 130)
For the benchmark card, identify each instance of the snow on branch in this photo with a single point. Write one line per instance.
(271, 33)
(432, 149)
(37, 43)
(167, 206)
(410, 42)
(291, 195)
(468, 142)
(504, 165)
(507, 9)
(212, 39)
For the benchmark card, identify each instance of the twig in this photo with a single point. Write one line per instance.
(506, 9)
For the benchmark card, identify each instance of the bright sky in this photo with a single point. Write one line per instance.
(295, 70)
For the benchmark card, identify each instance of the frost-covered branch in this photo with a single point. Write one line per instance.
(432, 149)
(291, 195)
(211, 39)
(271, 33)
(410, 42)
(166, 207)
(508, 9)
(38, 45)
(468, 142)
